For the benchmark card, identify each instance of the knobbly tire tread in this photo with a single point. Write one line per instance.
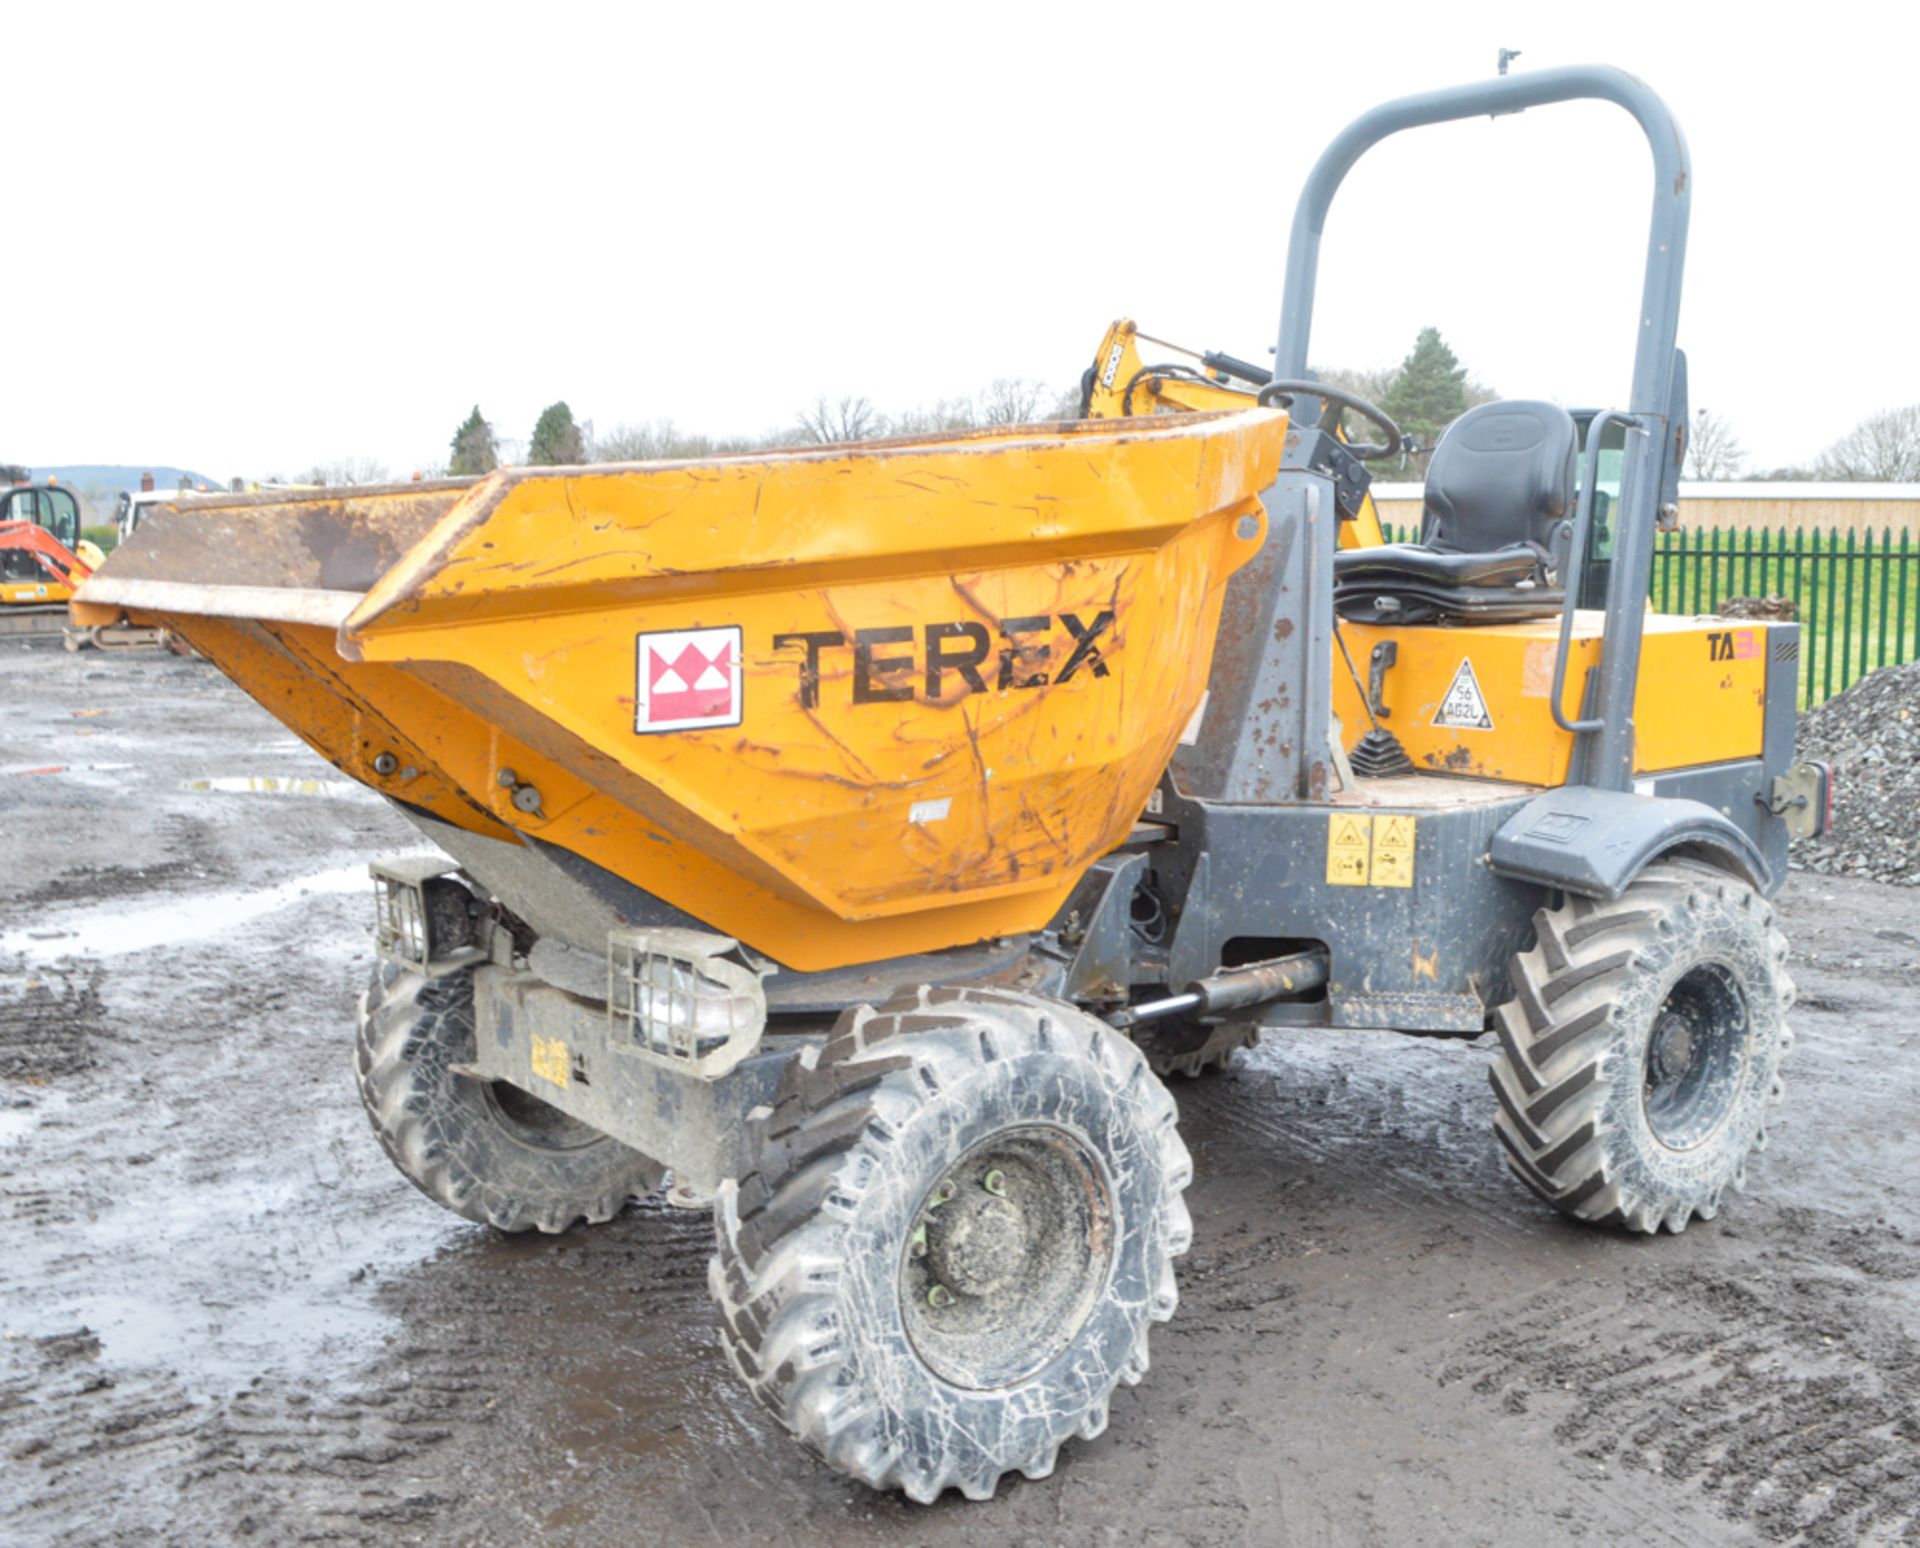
(813, 1156)
(449, 1140)
(1567, 1069)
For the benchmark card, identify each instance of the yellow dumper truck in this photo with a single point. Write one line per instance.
(863, 833)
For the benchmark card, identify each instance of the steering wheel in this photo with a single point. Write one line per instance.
(1396, 443)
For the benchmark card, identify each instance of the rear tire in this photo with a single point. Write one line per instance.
(1641, 1052)
(956, 1224)
(483, 1149)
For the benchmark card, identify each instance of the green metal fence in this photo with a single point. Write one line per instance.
(1856, 594)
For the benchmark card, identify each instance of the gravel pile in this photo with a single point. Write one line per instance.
(1871, 736)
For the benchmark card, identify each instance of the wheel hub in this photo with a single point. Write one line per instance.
(1696, 1057)
(1007, 1256)
(1672, 1048)
(978, 1244)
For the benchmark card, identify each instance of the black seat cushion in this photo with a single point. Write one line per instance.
(1409, 561)
(1499, 490)
(1502, 474)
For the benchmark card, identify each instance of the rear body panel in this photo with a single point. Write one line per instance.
(1702, 696)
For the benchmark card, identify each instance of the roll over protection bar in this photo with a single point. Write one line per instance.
(1610, 764)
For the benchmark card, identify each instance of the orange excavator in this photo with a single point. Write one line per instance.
(36, 566)
(44, 560)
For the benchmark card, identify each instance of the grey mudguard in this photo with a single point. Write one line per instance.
(1594, 842)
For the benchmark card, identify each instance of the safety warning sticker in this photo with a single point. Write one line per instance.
(1349, 846)
(1465, 706)
(1392, 851)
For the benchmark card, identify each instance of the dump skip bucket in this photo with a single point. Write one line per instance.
(842, 704)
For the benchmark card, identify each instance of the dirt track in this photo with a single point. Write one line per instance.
(226, 1319)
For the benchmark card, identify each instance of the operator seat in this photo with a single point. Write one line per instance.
(1494, 531)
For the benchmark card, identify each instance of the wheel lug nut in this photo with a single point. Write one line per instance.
(917, 1243)
(941, 1194)
(939, 1297)
(995, 1182)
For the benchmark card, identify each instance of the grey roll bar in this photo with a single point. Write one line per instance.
(1610, 764)
(1577, 563)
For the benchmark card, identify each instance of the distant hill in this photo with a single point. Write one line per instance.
(110, 478)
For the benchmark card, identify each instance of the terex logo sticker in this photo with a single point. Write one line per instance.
(687, 679)
(945, 661)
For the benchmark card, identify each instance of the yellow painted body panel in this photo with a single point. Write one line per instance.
(1702, 696)
(36, 593)
(957, 667)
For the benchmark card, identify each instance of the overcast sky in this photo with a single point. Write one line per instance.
(248, 239)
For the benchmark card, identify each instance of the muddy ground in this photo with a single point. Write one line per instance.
(227, 1320)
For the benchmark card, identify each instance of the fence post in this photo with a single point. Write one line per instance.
(1900, 625)
(1886, 572)
(1815, 693)
(1864, 571)
(1846, 637)
(1839, 611)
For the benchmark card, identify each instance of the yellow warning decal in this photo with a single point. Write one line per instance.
(550, 1060)
(1392, 851)
(1349, 843)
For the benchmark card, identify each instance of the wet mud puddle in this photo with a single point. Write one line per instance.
(114, 931)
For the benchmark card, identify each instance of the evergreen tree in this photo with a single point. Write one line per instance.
(556, 439)
(1429, 392)
(474, 450)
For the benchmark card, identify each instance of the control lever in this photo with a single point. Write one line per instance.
(1384, 655)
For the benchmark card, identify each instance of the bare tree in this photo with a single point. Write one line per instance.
(846, 418)
(662, 440)
(1714, 450)
(1425, 393)
(943, 415)
(1010, 400)
(347, 471)
(1884, 448)
(642, 443)
(1372, 385)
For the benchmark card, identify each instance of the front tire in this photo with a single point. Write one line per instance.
(483, 1149)
(956, 1224)
(1641, 1052)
